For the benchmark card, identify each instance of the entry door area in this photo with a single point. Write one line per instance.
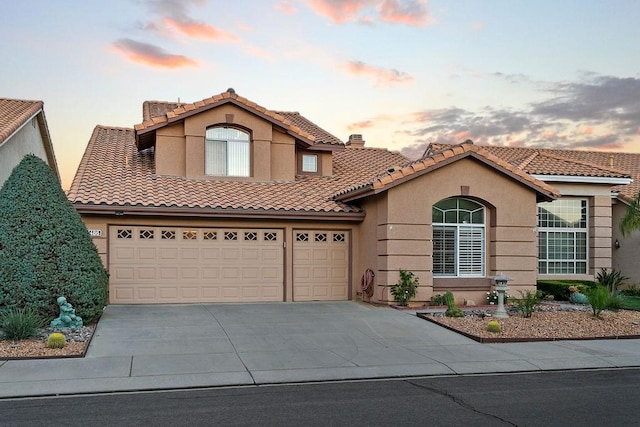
(320, 265)
(180, 264)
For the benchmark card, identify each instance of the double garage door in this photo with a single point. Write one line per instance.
(179, 265)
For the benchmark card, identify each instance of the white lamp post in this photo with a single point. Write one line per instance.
(501, 287)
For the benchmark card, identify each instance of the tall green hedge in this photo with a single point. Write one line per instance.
(45, 249)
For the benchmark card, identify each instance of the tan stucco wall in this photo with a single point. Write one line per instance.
(27, 140)
(102, 223)
(626, 258)
(404, 233)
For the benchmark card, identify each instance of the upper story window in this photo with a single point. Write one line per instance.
(458, 238)
(227, 152)
(309, 163)
(562, 237)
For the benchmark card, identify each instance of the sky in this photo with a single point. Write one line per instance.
(403, 73)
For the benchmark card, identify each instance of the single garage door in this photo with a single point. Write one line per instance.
(174, 265)
(320, 265)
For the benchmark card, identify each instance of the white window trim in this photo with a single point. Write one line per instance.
(315, 162)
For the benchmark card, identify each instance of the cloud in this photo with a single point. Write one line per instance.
(409, 12)
(478, 26)
(382, 76)
(149, 54)
(286, 7)
(199, 30)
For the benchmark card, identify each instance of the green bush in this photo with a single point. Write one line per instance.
(560, 288)
(527, 302)
(20, 323)
(452, 310)
(437, 300)
(631, 291)
(406, 288)
(611, 280)
(46, 250)
(599, 299)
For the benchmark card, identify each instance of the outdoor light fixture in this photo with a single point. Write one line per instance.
(501, 287)
(616, 244)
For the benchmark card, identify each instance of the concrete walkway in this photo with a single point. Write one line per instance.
(179, 346)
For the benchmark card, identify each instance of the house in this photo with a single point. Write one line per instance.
(223, 200)
(23, 130)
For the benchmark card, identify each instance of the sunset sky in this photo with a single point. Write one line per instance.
(547, 73)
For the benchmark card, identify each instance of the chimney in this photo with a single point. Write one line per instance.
(356, 140)
(611, 160)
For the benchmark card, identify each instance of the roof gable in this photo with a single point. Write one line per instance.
(158, 115)
(441, 158)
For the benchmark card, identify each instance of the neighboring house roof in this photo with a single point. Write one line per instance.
(295, 126)
(612, 166)
(436, 160)
(114, 175)
(15, 113)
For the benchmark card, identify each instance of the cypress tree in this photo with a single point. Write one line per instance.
(45, 249)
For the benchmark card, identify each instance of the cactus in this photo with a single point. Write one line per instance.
(56, 340)
(452, 310)
(494, 326)
(579, 298)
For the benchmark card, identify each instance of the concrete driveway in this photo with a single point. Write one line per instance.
(203, 345)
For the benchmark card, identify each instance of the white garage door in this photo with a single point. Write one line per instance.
(320, 265)
(173, 264)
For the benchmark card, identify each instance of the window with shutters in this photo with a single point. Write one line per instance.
(458, 238)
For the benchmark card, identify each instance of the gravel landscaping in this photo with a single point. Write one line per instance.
(548, 322)
(77, 342)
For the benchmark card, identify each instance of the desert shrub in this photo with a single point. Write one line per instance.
(406, 288)
(20, 323)
(560, 288)
(578, 298)
(611, 280)
(452, 310)
(615, 303)
(599, 299)
(46, 249)
(437, 300)
(494, 326)
(631, 291)
(528, 301)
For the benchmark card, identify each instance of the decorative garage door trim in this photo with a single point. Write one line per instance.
(195, 264)
(320, 265)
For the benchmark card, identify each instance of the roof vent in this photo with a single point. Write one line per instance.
(231, 90)
(356, 140)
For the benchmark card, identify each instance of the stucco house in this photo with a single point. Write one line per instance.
(223, 200)
(23, 130)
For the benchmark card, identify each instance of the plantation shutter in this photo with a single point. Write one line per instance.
(470, 251)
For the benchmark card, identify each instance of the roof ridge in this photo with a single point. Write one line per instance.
(582, 162)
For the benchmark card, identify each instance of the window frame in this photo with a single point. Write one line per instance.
(244, 164)
(567, 258)
(458, 236)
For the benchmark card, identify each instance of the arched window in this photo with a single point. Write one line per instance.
(458, 238)
(227, 152)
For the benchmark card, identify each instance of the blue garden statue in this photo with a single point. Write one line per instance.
(67, 318)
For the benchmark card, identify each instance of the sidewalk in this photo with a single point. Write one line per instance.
(199, 345)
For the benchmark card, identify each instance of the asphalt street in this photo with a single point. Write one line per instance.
(571, 398)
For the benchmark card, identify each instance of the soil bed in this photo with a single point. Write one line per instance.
(547, 325)
(36, 348)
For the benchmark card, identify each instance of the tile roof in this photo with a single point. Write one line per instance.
(151, 109)
(554, 162)
(437, 159)
(14, 113)
(157, 115)
(114, 173)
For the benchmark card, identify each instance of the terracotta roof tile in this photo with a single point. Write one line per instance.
(114, 173)
(14, 113)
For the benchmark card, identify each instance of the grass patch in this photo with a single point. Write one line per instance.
(630, 303)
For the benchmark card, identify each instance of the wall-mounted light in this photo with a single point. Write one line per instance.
(617, 244)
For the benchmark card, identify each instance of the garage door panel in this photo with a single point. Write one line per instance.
(173, 264)
(320, 265)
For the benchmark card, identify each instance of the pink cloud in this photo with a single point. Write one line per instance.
(286, 7)
(151, 55)
(257, 52)
(339, 11)
(199, 30)
(412, 12)
(381, 75)
(478, 26)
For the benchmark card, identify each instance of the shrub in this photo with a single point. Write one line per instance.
(492, 297)
(452, 310)
(20, 323)
(599, 299)
(56, 340)
(631, 291)
(528, 301)
(406, 288)
(437, 300)
(46, 249)
(578, 298)
(494, 326)
(611, 280)
(560, 288)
